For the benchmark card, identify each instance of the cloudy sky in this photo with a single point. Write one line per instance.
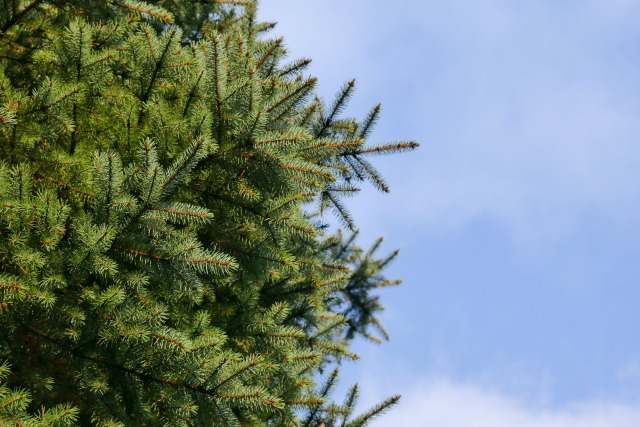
(518, 219)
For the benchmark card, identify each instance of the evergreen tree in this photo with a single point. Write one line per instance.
(160, 263)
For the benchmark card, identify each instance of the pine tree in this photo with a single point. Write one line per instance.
(161, 258)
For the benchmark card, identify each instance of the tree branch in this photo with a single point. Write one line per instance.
(14, 20)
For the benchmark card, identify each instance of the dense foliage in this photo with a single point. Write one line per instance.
(160, 263)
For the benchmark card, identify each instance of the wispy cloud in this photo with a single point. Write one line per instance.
(445, 403)
(528, 122)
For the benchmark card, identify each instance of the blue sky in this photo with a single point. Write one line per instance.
(518, 219)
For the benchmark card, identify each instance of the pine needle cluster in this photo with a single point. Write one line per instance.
(159, 262)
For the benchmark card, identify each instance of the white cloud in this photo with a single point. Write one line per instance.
(444, 403)
(531, 123)
(573, 150)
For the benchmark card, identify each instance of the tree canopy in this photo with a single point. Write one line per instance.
(165, 257)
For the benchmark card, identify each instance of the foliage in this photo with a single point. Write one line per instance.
(158, 261)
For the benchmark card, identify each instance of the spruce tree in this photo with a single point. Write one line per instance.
(165, 257)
